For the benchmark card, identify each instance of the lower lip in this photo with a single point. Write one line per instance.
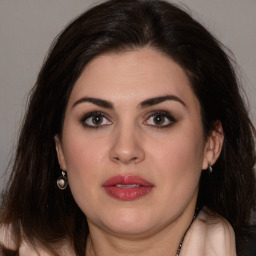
(127, 194)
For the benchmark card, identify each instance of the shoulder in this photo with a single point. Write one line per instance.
(209, 235)
(6, 238)
(7, 241)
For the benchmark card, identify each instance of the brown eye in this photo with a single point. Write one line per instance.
(159, 119)
(95, 120)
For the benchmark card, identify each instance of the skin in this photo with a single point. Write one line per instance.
(169, 154)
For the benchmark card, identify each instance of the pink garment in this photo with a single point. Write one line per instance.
(208, 236)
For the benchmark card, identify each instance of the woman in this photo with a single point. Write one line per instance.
(155, 149)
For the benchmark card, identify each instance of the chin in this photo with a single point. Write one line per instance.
(129, 222)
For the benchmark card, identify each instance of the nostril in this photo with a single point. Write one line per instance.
(126, 158)
(126, 149)
(122, 159)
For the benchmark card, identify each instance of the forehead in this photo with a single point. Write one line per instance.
(132, 75)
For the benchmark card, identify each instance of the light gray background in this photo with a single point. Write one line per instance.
(27, 27)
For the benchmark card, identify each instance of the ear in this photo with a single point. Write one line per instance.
(60, 154)
(213, 145)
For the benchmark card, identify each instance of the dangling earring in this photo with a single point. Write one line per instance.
(209, 167)
(62, 181)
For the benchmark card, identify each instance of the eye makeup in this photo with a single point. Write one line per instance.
(95, 120)
(160, 119)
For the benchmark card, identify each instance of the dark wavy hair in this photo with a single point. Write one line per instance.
(32, 202)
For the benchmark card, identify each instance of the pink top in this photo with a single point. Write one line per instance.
(207, 236)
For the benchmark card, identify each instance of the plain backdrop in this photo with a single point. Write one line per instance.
(27, 28)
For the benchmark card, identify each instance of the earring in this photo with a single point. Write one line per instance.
(62, 181)
(209, 167)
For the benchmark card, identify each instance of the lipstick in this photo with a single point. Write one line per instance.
(127, 188)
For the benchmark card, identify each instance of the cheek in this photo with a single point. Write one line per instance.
(181, 149)
(84, 158)
(84, 161)
(83, 177)
(83, 150)
(179, 160)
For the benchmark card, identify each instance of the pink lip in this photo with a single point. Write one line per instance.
(127, 187)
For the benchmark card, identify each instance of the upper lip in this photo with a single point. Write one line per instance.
(126, 180)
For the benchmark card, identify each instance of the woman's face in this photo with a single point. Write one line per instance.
(133, 143)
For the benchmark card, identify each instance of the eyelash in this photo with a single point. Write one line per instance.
(91, 115)
(171, 120)
(162, 113)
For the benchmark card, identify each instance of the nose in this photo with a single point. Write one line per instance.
(127, 147)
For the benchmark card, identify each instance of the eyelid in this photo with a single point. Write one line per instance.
(90, 115)
(163, 113)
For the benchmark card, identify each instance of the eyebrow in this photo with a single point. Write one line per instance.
(146, 103)
(158, 100)
(95, 101)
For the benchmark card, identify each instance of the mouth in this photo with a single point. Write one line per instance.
(127, 188)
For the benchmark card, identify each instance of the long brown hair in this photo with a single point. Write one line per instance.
(33, 204)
